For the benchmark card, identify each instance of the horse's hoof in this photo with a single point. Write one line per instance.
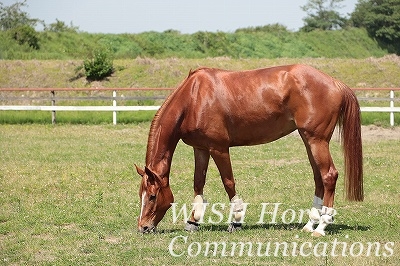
(234, 227)
(307, 229)
(317, 234)
(191, 226)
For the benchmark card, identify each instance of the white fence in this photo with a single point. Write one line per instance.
(54, 108)
(391, 109)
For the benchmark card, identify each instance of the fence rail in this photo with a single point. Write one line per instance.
(115, 108)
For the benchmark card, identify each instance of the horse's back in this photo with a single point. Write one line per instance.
(257, 106)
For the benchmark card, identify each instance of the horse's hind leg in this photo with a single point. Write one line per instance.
(325, 177)
(201, 158)
(314, 215)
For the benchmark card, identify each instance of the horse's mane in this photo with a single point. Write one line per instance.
(156, 120)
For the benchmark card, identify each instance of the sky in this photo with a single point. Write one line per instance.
(135, 16)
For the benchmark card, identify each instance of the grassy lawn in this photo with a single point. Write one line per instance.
(69, 196)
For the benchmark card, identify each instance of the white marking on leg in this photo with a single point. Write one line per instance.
(314, 218)
(314, 214)
(198, 207)
(238, 208)
(327, 214)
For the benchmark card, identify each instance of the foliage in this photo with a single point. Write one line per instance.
(322, 15)
(381, 18)
(59, 41)
(272, 28)
(262, 42)
(13, 16)
(99, 66)
(25, 34)
(19, 25)
(60, 26)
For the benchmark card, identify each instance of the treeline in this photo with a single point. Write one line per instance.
(271, 41)
(372, 30)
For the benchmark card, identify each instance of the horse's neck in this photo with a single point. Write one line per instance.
(161, 145)
(165, 132)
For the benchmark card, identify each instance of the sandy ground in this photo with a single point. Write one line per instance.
(374, 133)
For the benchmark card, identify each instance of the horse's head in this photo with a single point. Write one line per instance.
(155, 198)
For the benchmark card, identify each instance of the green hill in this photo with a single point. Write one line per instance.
(245, 43)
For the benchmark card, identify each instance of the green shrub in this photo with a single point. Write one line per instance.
(99, 66)
(26, 34)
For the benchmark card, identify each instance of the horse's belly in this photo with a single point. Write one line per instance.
(248, 127)
(260, 133)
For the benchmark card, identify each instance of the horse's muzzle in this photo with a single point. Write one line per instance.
(147, 229)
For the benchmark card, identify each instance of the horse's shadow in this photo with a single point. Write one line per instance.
(333, 229)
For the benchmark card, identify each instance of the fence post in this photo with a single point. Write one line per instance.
(114, 105)
(392, 106)
(53, 103)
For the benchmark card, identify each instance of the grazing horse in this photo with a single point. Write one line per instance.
(215, 109)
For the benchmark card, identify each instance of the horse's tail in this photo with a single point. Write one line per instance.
(350, 128)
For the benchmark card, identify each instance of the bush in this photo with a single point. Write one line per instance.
(98, 67)
(26, 34)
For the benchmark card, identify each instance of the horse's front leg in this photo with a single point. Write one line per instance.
(223, 162)
(201, 158)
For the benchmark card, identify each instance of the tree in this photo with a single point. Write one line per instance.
(273, 28)
(60, 26)
(19, 24)
(381, 18)
(12, 16)
(26, 34)
(322, 15)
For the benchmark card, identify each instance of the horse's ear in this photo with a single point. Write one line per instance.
(152, 177)
(140, 171)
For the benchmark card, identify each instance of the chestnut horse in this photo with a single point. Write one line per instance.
(215, 109)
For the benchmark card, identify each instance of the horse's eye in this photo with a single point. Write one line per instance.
(152, 197)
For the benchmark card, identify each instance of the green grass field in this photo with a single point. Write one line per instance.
(95, 118)
(69, 196)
